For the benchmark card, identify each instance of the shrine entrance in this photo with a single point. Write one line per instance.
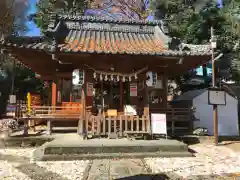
(125, 64)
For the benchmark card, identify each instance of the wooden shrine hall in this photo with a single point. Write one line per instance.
(121, 67)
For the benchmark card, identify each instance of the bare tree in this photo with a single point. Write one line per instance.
(13, 16)
(119, 9)
(12, 21)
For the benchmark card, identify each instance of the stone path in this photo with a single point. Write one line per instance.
(210, 163)
(116, 169)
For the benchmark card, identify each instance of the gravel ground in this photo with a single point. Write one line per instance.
(208, 161)
(17, 164)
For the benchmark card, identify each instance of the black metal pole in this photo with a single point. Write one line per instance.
(13, 77)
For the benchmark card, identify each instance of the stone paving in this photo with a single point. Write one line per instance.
(210, 162)
(116, 169)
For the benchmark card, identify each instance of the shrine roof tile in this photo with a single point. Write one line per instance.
(112, 42)
(103, 39)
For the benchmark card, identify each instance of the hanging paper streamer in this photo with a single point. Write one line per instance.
(116, 76)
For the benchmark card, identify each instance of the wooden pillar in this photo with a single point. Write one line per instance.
(82, 118)
(59, 90)
(165, 89)
(121, 96)
(89, 88)
(26, 127)
(87, 103)
(54, 94)
(49, 127)
(110, 105)
(53, 104)
(102, 97)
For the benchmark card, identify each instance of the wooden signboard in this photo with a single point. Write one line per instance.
(159, 123)
(133, 90)
(35, 100)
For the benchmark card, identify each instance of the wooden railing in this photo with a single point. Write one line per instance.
(89, 124)
(21, 109)
(101, 125)
(56, 112)
(116, 126)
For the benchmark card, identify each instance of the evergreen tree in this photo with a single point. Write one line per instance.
(45, 7)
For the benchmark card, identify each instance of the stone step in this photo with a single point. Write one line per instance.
(74, 147)
(66, 157)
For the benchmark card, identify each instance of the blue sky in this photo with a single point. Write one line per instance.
(33, 30)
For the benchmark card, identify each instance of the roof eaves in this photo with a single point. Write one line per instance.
(163, 53)
(110, 29)
(190, 95)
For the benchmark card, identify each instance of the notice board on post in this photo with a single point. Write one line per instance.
(159, 123)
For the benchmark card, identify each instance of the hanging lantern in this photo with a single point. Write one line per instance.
(135, 76)
(94, 75)
(123, 79)
(117, 77)
(111, 77)
(106, 78)
(101, 77)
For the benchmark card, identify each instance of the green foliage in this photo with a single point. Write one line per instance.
(24, 79)
(45, 7)
(190, 20)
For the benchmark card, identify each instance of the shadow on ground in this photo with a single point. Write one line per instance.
(173, 176)
(189, 140)
(146, 177)
(37, 134)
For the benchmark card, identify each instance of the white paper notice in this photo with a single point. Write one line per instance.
(159, 123)
(217, 97)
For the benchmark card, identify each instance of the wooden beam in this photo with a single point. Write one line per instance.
(39, 62)
(54, 94)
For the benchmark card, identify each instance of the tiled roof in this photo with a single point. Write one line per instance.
(112, 42)
(98, 35)
(190, 95)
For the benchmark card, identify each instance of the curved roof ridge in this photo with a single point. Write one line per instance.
(108, 20)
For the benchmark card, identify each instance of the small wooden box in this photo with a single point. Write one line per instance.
(111, 112)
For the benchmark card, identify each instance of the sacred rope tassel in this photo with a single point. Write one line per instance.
(135, 76)
(129, 78)
(106, 78)
(123, 79)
